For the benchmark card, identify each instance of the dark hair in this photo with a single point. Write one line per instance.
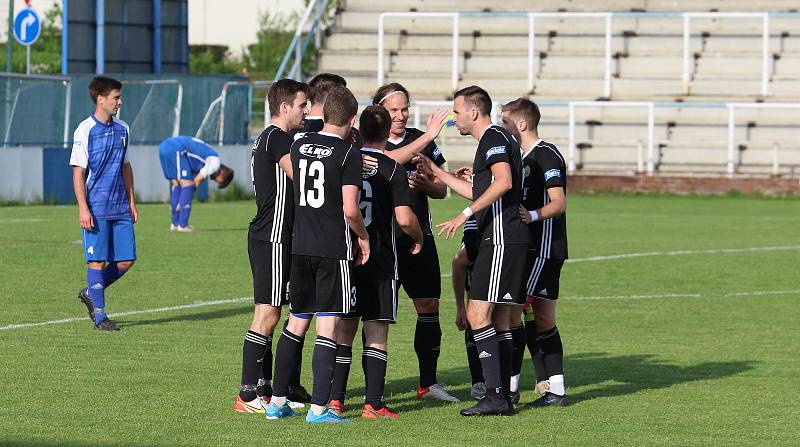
(223, 176)
(384, 90)
(476, 97)
(102, 86)
(321, 85)
(525, 109)
(340, 107)
(374, 124)
(282, 91)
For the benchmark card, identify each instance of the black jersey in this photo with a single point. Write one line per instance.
(419, 200)
(322, 163)
(275, 214)
(383, 189)
(499, 223)
(544, 168)
(315, 124)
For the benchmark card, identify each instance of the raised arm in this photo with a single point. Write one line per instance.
(404, 154)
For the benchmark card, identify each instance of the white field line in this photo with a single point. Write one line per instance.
(570, 298)
(674, 253)
(132, 312)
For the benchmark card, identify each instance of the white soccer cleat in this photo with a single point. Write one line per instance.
(173, 227)
(186, 229)
(478, 390)
(435, 392)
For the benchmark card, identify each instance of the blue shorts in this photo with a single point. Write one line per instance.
(110, 240)
(174, 163)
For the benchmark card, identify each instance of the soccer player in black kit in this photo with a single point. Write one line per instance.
(499, 273)
(269, 240)
(419, 273)
(327, 179)
(384, 199)
(544, 210)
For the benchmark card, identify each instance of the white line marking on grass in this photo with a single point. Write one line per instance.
(20, 220)
(683, 295)
(674, 253)
(132, 312)
(571, 298)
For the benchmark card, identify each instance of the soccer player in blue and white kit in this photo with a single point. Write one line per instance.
(103, 181)
(186, 162)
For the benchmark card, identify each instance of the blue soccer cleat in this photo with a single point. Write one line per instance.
(275, 411)
(327, 417)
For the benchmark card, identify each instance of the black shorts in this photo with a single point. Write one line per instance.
(376, 297)
(419, 274)
(270, 263)
(543, 281)
(321, 285)
(500, 273)
(469, 242)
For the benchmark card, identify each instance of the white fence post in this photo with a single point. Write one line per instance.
(651, 163)
(571, 156)
(531, 49)
(731, 139)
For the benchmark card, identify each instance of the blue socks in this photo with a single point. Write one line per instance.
(98, 281)
(111, 274)
(97, 293)
(185, 203)
(174, 197)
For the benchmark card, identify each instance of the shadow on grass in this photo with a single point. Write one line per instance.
(198, 316)
(629, 373)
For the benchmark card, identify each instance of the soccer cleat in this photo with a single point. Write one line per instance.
(542, 387)
(298, 394)
(83, 295)
(435, 392)
(495, 405)
(254, 406)
(336, 406)
(294, 405)
(186, 229)
(106, 325)
(173, 227)
(275, 411)
(514, 397)
(478, 390)
(327, 417)
(369, 412)
(551, 400)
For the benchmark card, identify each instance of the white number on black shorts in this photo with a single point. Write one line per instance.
(366, 203)
(315, 196)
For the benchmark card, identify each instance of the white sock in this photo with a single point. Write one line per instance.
(557, 385)
(514, 383)
(317, 409)
(279, 401)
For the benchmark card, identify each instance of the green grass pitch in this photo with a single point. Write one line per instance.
(691, 341)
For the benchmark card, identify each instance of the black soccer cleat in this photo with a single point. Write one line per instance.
(106, 325)
(551, 400)
(83, 295)
(490, 406)
(298, 394)
(514, 397)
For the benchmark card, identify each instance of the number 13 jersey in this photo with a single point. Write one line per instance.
(322, 163)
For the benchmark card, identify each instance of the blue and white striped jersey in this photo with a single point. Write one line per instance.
(102, 149)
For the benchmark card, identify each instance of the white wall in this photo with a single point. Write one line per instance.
(22, 173)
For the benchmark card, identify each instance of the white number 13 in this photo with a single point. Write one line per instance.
(314, 197)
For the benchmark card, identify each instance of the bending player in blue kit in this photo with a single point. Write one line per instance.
(103, 181)
(186, 162)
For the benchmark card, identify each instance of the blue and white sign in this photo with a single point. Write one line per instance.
(27, 27)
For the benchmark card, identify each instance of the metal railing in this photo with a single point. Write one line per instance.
(221, 101)
(687, 17)
(650, 106)
(299, 44)
(732, 106)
